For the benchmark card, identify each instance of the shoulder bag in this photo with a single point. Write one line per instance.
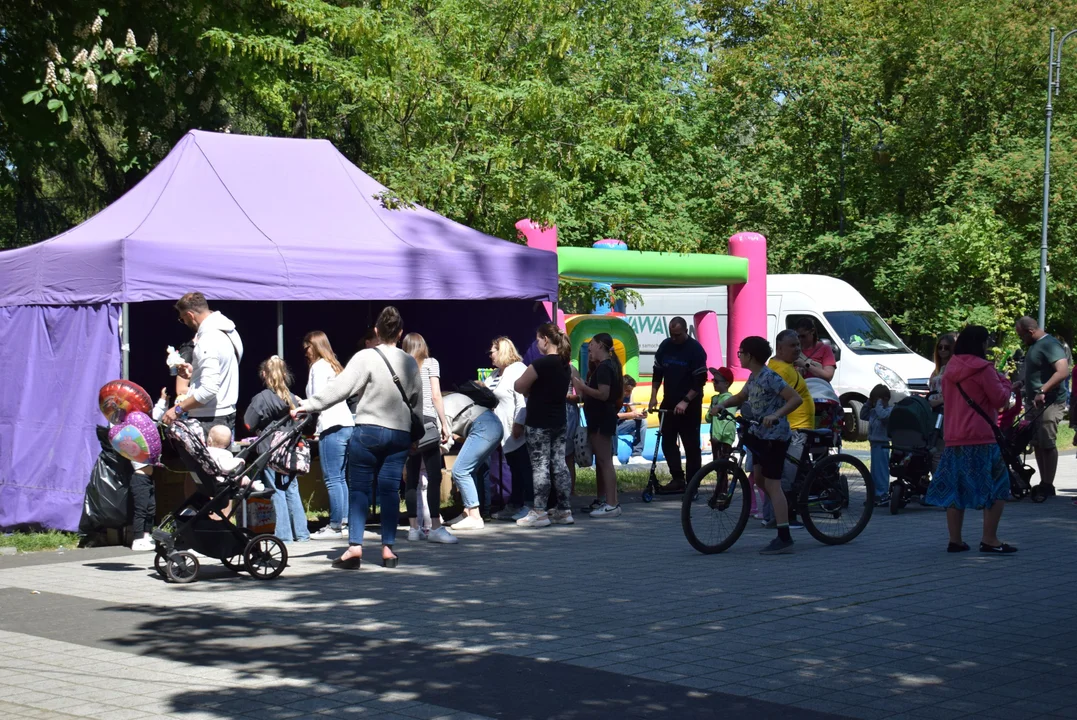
(423, 433)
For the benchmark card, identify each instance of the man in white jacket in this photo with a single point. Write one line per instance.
(214, 372)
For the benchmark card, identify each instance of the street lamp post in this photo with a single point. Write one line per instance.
(1054, 69)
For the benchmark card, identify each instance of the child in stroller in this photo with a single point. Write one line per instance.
(204, 522)
(913, 434)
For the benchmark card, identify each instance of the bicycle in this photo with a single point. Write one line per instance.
(833, 495)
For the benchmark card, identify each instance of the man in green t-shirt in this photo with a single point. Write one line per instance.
(1045, 370)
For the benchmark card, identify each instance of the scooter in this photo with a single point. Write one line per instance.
(653, 486)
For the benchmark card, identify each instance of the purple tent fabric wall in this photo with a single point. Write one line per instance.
(53, 361)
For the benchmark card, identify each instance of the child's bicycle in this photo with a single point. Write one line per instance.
(833, 495)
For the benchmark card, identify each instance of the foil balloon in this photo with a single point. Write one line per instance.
(137, 438)
(120, 397)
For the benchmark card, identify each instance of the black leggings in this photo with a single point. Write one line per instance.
(431, 459)
(144, 503)
(523, 483)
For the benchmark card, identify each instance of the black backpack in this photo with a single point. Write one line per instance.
(478, 393)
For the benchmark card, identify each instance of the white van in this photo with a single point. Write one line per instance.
(867, 350)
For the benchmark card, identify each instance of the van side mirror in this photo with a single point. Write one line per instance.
(833, 348)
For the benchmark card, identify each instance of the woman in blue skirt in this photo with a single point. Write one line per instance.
(971, 473)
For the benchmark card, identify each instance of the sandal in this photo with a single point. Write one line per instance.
(957, 547)
(352, 563)
(1002, 549)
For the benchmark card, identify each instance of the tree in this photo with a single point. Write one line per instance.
(942, 227)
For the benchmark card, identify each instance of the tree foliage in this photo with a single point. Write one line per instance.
(670, 124)
(942, 224)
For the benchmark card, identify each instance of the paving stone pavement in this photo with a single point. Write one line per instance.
(613, 618)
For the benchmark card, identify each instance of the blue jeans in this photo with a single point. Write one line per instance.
(376, 452)
(333, 447)
(634, 428)
(288, 509)
(484, 436)
(880, 469)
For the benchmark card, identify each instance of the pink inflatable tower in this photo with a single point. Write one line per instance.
(543, 238)
(747, 314)
(706, 322)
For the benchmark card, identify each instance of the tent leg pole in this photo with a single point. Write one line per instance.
(125, 341)
(280, 329)
(553, 312)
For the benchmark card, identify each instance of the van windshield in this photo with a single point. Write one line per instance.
(865, 333)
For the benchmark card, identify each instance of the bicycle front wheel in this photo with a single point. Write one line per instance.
(837, 499)
(715, 508)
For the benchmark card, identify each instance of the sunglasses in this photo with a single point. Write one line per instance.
(946, 347)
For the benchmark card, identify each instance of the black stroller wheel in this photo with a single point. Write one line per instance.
(181, 567)
(236, 563)
(266, 557)
(897, 498)
(159, 563)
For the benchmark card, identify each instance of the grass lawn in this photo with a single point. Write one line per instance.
(38, 541)
(628, 478)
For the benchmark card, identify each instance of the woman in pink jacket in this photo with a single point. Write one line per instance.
(971, 472)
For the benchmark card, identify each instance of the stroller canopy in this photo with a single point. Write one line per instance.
(913, 414)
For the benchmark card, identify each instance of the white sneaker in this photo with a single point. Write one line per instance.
(455, 520)
(521, 513)
(606, 511)
(534, 519)
(469, 523)
(507, 513)
(442, 535)
(144, 544)
(415, 535)
(561, 517)
(327, 533)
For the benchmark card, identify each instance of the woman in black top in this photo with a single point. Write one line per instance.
(602, 396)
(545, 384)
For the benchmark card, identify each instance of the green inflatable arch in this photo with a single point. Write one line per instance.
(582, 328)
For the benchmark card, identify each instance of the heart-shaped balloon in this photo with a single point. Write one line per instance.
(137, 438)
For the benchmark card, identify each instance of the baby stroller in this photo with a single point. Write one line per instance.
(1013, 438)
(913, 438)
(203, 522)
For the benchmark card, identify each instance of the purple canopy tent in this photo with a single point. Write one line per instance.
(238, 218)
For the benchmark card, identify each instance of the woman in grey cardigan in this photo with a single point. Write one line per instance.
(379, 444)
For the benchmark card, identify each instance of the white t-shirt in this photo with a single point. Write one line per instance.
(320, 375)
(429, 369)
(511, 405)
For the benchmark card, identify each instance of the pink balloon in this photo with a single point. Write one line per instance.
(137, 438)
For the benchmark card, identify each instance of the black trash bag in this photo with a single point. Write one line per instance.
(107, 503)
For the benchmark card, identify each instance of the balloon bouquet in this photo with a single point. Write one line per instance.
(134, 433)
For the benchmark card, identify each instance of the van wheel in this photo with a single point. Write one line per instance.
(856, 429)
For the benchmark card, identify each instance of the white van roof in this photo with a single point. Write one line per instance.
(828, 293)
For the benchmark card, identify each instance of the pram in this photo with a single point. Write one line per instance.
(913, 440)
(203, 522)
(1013, 439)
